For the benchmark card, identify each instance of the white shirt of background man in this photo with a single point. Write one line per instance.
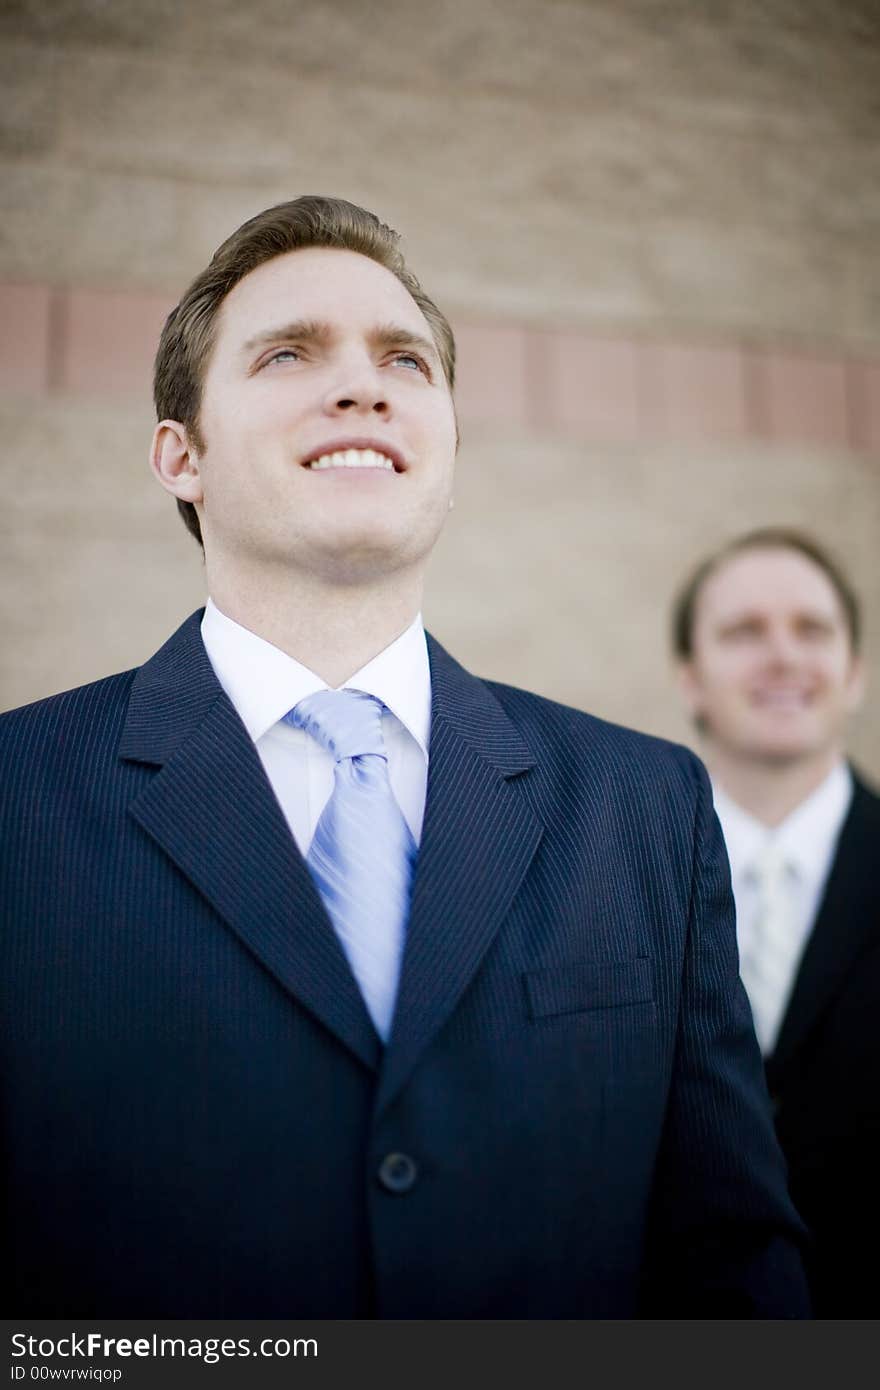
(805, 842)
(264, 683)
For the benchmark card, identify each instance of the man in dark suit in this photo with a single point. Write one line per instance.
(429, 1012)
(767, 632)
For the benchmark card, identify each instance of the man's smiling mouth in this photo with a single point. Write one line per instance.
(353, 458)
(355, 453)
(782, 698)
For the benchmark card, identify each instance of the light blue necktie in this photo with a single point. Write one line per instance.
(363, 854)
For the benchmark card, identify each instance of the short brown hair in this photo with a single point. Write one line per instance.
(189, 332)
(767, 538)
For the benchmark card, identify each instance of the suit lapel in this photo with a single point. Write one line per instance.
(478, 839)
(847, 920)
(211, 809)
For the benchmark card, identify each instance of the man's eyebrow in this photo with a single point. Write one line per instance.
(300, 331)
(747, 618)
(392, 335)
(387, 335)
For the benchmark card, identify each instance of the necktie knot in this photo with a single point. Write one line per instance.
(772, 868)
(346, 723)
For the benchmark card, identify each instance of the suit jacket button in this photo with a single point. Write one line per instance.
(397, 1173)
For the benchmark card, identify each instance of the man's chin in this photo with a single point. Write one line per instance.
(769, 747)
(358, 554)
(782, 753)
(357, 563)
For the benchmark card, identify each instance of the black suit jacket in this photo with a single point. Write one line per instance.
(200, 1120)
(824, 1075)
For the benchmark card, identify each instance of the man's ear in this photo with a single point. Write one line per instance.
(856, 684)
(175, 462)
(689, 687)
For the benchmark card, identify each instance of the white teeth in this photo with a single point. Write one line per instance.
(781, 697)
(353, 458)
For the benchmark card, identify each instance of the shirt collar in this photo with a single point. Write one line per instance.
(264, 683)
(805, 839)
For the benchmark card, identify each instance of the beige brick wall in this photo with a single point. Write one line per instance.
(655, 224)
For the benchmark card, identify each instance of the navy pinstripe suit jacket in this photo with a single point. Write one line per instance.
(196, 1106)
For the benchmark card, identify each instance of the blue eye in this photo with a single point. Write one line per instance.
(283, 353)
(417, 362)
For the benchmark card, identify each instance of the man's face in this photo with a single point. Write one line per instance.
(772, 677)
(328, 425)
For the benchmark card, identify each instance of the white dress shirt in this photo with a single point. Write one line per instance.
(264, 683)
(806, 841)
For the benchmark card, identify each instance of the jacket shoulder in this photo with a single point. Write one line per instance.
(73, 716)
(78, 697)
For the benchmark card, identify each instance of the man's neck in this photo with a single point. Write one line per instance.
(769, 791)
(334, 630)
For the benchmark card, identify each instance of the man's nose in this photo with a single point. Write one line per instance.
(358, 389)
(783, 647)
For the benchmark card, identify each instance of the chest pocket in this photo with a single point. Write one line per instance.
(587, 985)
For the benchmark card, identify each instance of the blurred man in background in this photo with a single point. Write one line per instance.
(767, 636)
